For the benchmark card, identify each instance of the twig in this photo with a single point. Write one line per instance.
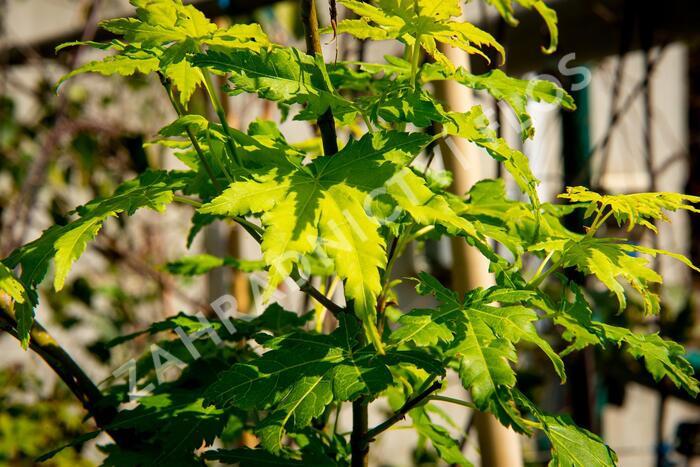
(326, 122)
(79, 383)
(316, 294)
(401, 413)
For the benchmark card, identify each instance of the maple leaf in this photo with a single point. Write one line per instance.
(300, 376)
(447, 448)
(195, 265)
(321, 208)
(571, 445)
(509, 222)
(428, 22)
(153, 189)
(662, 358)
(400, 103)
(480, 336)
(515, 92)
(135, 61)
(633, 209)
(612, 261)
(281, 74)
(163, 37)
(10, 285)
(176, 421)
(474, 126)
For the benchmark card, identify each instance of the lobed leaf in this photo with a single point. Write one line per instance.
(425, 22)
(320, 209)
(281, 74)
(299, 377)
(634, 209)
(516, 92)
(67, 243)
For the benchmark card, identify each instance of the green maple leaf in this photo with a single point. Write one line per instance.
(161, 21)
(23, 301)
(135, 61)
(400, 103)
(299, 377)
(162, 37)
(320, 209)
(447, 447)
(176, 421)
(662, 358)
(480, 337)
(608, 260)
(372, 78)
(428, 22)
(275, 320)
(634, 209)
(514, 224)
(281, 74)
(614, 262)
(474, 126)
(66, 243)
(505, 8)
(571, 445)
(516, 92)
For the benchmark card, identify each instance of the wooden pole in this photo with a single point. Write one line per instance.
(500, 446)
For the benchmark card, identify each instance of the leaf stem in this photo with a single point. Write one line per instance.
(219, 109)
(321, 310)
(188, 201)
(415, 58)
(537, 281)
(542, 265)
(598, 221)
(452, 400)
(193, 139)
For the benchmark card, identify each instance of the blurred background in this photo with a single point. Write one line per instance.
(633, 68)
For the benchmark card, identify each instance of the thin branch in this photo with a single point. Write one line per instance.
(401, 413)
(316, 294)
(326, 122)
(79, 383)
